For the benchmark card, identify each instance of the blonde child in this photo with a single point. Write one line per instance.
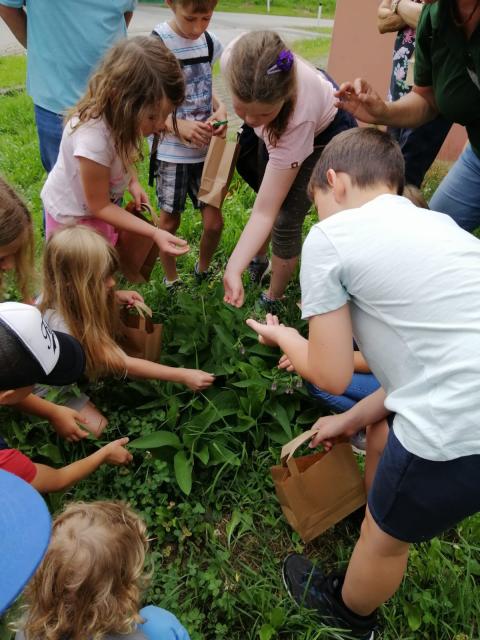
(91, 581)
(180, 155)
(290, 113)
(136, 86)
(30, 352)
(79, 298)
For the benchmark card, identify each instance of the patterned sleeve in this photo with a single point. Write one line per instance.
(320, 276)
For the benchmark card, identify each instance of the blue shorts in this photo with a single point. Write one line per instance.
(413, 499)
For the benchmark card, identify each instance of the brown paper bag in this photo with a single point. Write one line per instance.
(137, 253)
(318, 490)
(138, 336)
(218, 170)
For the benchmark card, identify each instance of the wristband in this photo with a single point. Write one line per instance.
(394, 6)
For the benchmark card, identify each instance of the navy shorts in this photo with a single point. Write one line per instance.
(413, 499)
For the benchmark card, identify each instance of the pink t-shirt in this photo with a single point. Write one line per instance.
(314, 111)
(62, 195)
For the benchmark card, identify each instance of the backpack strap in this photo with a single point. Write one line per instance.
(187, 62)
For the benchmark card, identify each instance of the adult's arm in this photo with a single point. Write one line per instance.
(410, 12)
(275, 186)
(387, 20)
(410, 111)
(16, 21)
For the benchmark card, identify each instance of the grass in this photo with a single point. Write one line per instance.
(216, 553)
(307, 9)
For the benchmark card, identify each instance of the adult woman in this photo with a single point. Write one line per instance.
(447, 70)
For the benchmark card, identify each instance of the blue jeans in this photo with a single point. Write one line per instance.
(49, 129)
(361, 386)
(459, 192)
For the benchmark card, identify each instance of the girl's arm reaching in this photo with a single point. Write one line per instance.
(95, 181)
(49, 479)
(194, 379)
(275, 186)
(64, 420)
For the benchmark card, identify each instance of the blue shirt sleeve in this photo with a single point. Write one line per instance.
(160, 623)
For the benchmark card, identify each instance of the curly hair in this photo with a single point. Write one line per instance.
(136, 74)
(77, 262)
(16, 227)
(91, 580)
(251, 56)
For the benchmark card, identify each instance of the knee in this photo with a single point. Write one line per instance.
(214, 225)
(169, 222)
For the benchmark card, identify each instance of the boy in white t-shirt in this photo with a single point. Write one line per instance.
(181, 153)
(406, 282)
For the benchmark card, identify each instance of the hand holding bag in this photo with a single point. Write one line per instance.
(318, 490)
(218, 170)
(138, 336)
(138, 253)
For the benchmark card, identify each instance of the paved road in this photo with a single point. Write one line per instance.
(225, 25)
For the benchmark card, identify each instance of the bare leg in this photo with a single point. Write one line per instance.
(377, 435)
(170, 222)
(212, 230)
(376, 568)
(282, 271)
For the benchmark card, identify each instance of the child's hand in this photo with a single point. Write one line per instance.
(195, 132)
(233, 287)
(219, 116)
(128, 298)
(197, 380)
(330, 429)
(138, 193)
(66, 423)
(284, 363)
(170, 244)
(268, 333)
(115, 453)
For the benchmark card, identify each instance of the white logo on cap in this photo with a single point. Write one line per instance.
(34, 333)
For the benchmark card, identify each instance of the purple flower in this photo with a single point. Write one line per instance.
(285, 60)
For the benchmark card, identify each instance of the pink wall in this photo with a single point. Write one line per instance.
(358, 50)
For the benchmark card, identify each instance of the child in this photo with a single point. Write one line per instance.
(135, 88)
(408, 282)
(31, 352)
(181, 154)
(16, 253)
(79, 298)
(91, 581)
(16, 240)
(289, 111)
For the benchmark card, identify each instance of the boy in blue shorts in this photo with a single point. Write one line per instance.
(406, 281)
(181, 153)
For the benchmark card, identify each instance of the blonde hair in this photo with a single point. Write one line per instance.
(16, 224)
(91, 580)
(135, 74)
(252, 55)
(77, 261)
(415, 195)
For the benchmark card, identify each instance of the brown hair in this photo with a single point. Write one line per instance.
(91, 580)
(415, 195)
(369, 157)
(135, 74)
(196, 6)
(251, 56)
(16, 223)
(77, 262)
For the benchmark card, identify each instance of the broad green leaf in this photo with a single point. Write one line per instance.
(267, 632)
(52, 452)
(224, 336)
(155, 440)
(414, 616)
(203, 454)
(245, 384)
(277, 617)
(235, 520)
(219, 453)
(183, 471)
(280, 415)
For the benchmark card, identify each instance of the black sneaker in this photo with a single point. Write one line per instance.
(172, 285)
(310, 588)
(270, 305)
(258, 270)
(200, 276)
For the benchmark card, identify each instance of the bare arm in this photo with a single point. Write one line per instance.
(195, 379)
(275, 186)
(49, 479)
(16, 21)
(388, 21)
(360, 365)
(362, 101)
(410, 12)
(64, 420)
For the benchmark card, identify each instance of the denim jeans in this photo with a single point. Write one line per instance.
(459, 192)
(49, 129)
(361, 386)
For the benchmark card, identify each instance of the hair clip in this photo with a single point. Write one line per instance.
(284, 62)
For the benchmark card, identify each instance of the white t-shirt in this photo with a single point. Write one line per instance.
(314, 111)
(198, 91)
(62, 195)
(412, 281)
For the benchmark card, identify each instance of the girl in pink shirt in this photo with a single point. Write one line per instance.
(289, 111)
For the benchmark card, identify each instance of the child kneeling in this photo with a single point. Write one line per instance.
(91, 580)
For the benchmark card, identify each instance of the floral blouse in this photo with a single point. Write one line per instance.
(402, 52)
